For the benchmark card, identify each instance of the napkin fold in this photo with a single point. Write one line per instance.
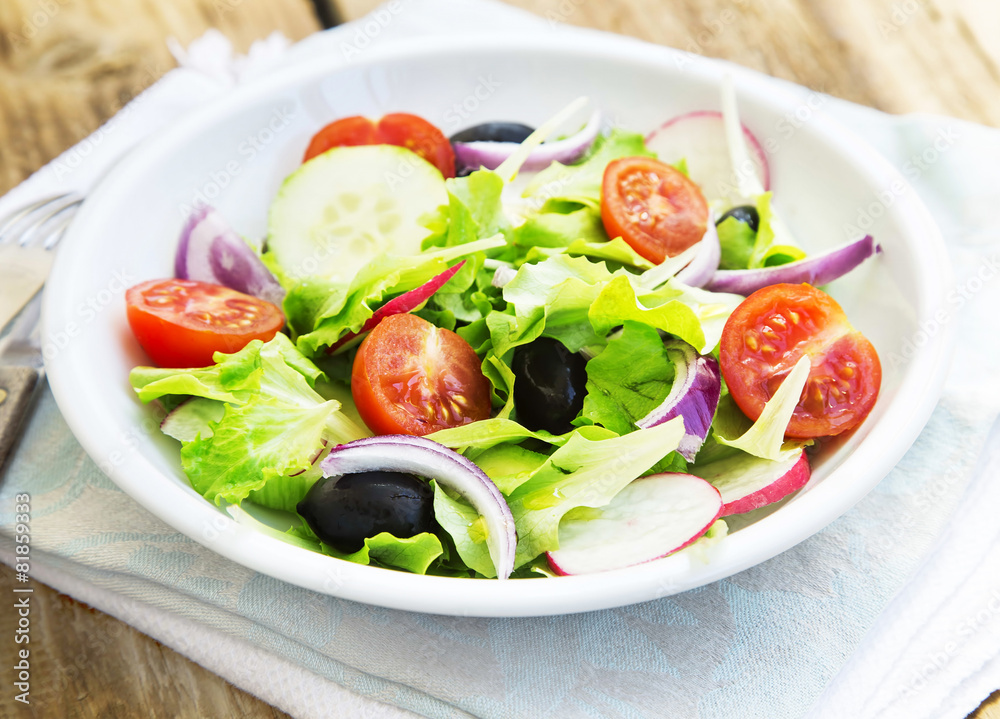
(890, 611)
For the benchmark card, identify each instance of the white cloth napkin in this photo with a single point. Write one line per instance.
(893, 610)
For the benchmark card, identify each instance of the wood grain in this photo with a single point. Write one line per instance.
(938, 56)
(68, 65)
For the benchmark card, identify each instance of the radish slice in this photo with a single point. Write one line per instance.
(406, 302)
(693, 396)
(816, 270)
(699, 138)
(473, 155)
(426, 458)
(193, 417)
(650, 518)
(747, 482)
(706, 262)
(210, 251)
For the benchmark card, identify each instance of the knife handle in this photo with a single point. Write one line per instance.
(17, 387)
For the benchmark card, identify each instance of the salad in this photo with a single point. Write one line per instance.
(505, 353)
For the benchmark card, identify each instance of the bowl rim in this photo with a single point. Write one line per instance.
(186, 511)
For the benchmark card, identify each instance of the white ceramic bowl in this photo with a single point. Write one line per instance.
(235, 154)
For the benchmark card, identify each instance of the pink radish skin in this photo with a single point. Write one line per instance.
(700, 139)
(748, 483)
(652, 517)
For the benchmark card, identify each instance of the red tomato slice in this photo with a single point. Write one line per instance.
(767, 334)
(652, 206)
(411, 377)
(399, 128)
(182, 323)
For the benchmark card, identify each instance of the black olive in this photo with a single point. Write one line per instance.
(344, 511)
(747, 214)
(549, 386)
(494, 132)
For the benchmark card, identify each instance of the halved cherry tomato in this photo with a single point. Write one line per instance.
(770, 331)
(182, 323)
(410, 377)
(399, 128)
(652, 206)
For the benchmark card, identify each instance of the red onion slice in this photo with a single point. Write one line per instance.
(210, 251)
(705, 264)
(473, 155)
(693, 396)
(816, 270)
(406, 302)
(424, 457)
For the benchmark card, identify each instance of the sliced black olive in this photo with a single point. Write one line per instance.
(344, 511)
(747, 214)
(549, 386)
(494, 132)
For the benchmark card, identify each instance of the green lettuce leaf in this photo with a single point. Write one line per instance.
(195, 416)
(711, 309)
(617, 302)
(320, 311)
(617, 252)
(552, 297)
(466, 528)
(252, 444)
(736, 240)
(488, 433)
(629, 379)
(765, 437)
(275, 369)
(414, 554)
(273, 424)
(474, 211)
(559, 230)
(766, 251)
(508, 465)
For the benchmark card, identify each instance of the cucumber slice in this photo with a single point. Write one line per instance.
(192, 417)
(349, 205)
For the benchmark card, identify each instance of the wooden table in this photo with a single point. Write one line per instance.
(66, 66)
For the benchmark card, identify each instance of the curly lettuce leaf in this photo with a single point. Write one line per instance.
(617, 302)
(321, 311)
(272, 426)
(274, 369)
(253, 444)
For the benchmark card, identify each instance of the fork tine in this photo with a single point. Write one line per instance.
(17, 215)
(54, 234)
(40, 221)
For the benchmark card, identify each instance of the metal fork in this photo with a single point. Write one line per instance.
(27, 238)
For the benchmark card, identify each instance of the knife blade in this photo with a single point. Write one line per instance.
(20, 371)
(22, 273)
